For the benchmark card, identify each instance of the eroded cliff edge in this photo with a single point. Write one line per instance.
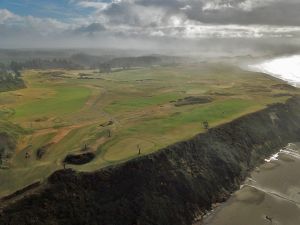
(173, 186)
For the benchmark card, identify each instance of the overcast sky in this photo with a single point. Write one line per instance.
(143, 23)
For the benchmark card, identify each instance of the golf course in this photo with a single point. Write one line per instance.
(121, 115)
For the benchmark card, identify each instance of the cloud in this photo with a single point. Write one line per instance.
(160, 20)
(90, 29)
(96, 5)
(246, 12)
(7, 16)
(243, 5)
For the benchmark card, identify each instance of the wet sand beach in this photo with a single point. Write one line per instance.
(270, 196)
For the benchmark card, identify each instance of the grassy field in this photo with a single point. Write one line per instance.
(116, 114)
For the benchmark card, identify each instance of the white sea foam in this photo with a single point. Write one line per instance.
(284, 68)
(288, 150)
(273, 158)
(294, 154)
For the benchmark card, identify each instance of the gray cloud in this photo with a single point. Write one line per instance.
(281, 13)
(90, 29)
(157, 21)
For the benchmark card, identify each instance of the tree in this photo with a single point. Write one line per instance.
(2, 67)
(139, 149)
(105, 68)
(2, 152)
(205, 125)
(16, 67)
(85, 148)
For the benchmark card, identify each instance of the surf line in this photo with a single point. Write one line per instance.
(288, 150)
(274, 194)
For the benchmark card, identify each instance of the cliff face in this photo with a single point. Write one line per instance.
(172, 186)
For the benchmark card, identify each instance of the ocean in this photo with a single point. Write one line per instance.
(285, 68)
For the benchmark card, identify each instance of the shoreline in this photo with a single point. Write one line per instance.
(273, 67)
(247, 183)
(275, 183)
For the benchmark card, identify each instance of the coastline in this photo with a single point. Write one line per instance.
(271, 191)
(284, 68)
(268, 68)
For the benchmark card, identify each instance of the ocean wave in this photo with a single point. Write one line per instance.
(273, 193)
(273, 158)
(284, 68)
(290, 150)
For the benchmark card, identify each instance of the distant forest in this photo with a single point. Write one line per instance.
(78, 60)
(12, 62)
(10, 77)
(82, 61)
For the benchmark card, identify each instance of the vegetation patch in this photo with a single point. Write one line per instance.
(10, 77)
(9, 82)
(282, 95)
(42, 151)
(9, 135)
(192, 100)
(106, 124)
(140, 102)
(284, 87)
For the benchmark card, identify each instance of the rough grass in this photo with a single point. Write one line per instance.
(13, 130)
(140, 102)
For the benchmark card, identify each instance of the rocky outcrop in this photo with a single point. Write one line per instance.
(172, 186)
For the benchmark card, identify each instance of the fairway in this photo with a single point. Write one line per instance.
(122, 115)
(65, 100)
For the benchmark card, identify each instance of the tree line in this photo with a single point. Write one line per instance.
(127, 63)
(9, 72)
(45, 64)
(10, 77)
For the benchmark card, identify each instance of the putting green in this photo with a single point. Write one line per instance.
(127, 148)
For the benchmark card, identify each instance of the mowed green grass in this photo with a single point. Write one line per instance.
(210, 112)
(154, 133)
(65, 101)
(140, 102)
(69, 112)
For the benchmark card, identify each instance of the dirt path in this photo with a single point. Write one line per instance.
(63, 132)
(99, 142)
(95, 96)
